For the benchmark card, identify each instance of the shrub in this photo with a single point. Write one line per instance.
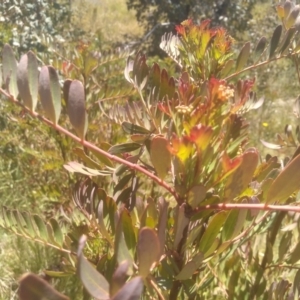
(184, 208)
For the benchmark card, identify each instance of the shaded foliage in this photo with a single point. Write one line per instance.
(158, 17)
(26, 24)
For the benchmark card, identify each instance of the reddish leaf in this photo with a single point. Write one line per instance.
(132, 290)
(76, 108)
(201, 136)
(182, 148)
(35, 288)
(96, 285)
(119, 278)
(49, 90)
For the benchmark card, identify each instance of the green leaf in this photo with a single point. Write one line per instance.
(101, 157)
(123, 148)
(29, 224)
(49, 90)
(96, 285)
(162, 223)
(66, 89)
(9, 70)
(160, 156)
(295, 255)
(213, 228)
(287, 6)
(134, 129)
(243, 57)
(234, 223)
(260, 47)
(196, 195)
(42, 229)
(75, 167)
(121, 251)
(296, 283)
(291, 18)
(86, 159)
(76, 108)
(287, 40)
(238, 181)
(123, 183)
(286, 183)
(181, 222)
(128, 230)
(275, 40)
(132, 290)
(35, 288)
(140, 71)
(190, 267)
(228, 66)
(148, 250)
(58, 235)
(27, 80)
(103, 228)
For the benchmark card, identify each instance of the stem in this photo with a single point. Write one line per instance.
(176, 286)
(37, 240)
(96, 149)
(295, 267)
(229, 206)
(159, 294)
(259, 65)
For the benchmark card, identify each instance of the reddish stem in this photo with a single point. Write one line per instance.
(96, 149)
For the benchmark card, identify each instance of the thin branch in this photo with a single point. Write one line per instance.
(37, 240)
(260, 64)
(248, 229)
(266, 207)
(159, 294)
(96, 149)
(297, 267)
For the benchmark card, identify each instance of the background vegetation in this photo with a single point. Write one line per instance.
(32, 155)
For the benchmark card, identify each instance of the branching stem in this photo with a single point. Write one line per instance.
(96, 149)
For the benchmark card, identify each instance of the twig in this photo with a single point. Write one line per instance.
(296, 267)
(96, 149)
(229, 206)
(159, 294)
(259, 65)
(40, 241)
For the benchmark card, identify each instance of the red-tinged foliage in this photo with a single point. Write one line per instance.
(201, 135)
